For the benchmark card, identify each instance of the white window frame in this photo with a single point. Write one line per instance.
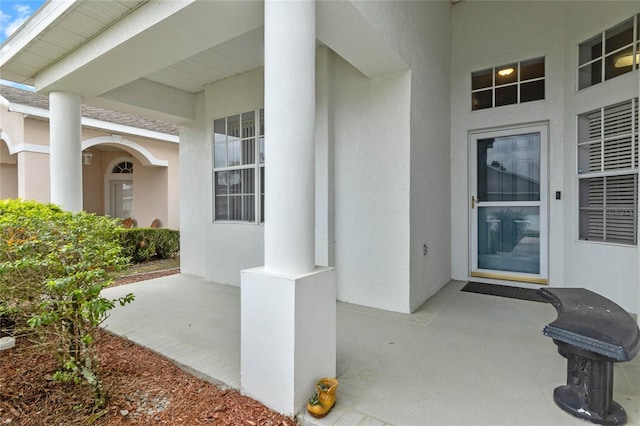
(518, 83)
(257, 166)
(604, 170)
(110, 177)
(635, 45)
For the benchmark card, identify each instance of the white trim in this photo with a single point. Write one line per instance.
(473, 136)
(146, 157)
(98, 124)
(121, 128)
(29, 147)
(7, 141)
(113, 177)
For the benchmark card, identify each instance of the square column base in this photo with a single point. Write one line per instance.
(288, 335)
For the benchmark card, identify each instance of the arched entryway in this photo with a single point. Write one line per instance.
(8, 170)
(125, 179)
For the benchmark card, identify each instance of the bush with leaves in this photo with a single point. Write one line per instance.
(142, 244)
(53, 266)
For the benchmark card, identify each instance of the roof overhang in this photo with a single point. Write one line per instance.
(153, 57)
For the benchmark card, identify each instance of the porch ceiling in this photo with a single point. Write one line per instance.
(236, 56)
(149, 58)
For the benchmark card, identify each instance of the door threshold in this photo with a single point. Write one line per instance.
(514, 278)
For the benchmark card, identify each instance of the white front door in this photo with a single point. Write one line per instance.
(508, 204)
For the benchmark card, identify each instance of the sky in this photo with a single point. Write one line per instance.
(13, 13)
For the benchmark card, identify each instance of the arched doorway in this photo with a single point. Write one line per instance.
(8, 170)
(126, 178)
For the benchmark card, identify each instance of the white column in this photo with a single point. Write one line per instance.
(289, 79)
(288, 307)
(66, 150)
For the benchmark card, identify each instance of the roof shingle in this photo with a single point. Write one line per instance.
(27, 98)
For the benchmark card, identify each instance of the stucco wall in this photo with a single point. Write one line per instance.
(410, 205)
(11, 125)
(372, 169)
(33, 176)
(195, 190)
(371, 174)
(93, 184)
(231, 247)
(430, 148)
(487, 34)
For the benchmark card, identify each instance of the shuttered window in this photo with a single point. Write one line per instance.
(238, 167)
(608, 174)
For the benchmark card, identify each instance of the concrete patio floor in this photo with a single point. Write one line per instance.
(461, 359)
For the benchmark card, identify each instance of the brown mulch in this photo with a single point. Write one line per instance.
(143, 387)
(128, 279)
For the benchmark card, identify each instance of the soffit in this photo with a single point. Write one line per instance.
(236, 56)
(75, 27)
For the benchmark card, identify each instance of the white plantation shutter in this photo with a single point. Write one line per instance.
(608, 173)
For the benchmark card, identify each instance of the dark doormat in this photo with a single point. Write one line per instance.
(503, 291)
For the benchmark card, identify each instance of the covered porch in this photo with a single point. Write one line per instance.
(460, 359)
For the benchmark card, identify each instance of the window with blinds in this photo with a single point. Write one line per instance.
(238, 167)
(608, 173)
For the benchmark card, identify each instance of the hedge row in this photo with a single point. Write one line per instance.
(142, 244)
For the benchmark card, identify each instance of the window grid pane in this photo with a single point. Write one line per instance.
(234, 165)
(508, 84)
(619, 36)
(609, 54)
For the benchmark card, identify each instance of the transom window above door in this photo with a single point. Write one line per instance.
(123, 167)
(508, 84)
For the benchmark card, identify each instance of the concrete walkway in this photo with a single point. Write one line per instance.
(461, 359)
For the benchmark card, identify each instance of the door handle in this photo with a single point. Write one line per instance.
(474, 201)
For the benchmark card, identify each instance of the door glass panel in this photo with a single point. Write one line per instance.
(509, 168)
(122, 201)
(509, 239)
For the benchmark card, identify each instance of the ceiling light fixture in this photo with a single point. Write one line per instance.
(506, 71)
(625, 60)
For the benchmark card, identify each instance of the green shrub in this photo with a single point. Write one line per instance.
(142, 244)
(53, 265)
